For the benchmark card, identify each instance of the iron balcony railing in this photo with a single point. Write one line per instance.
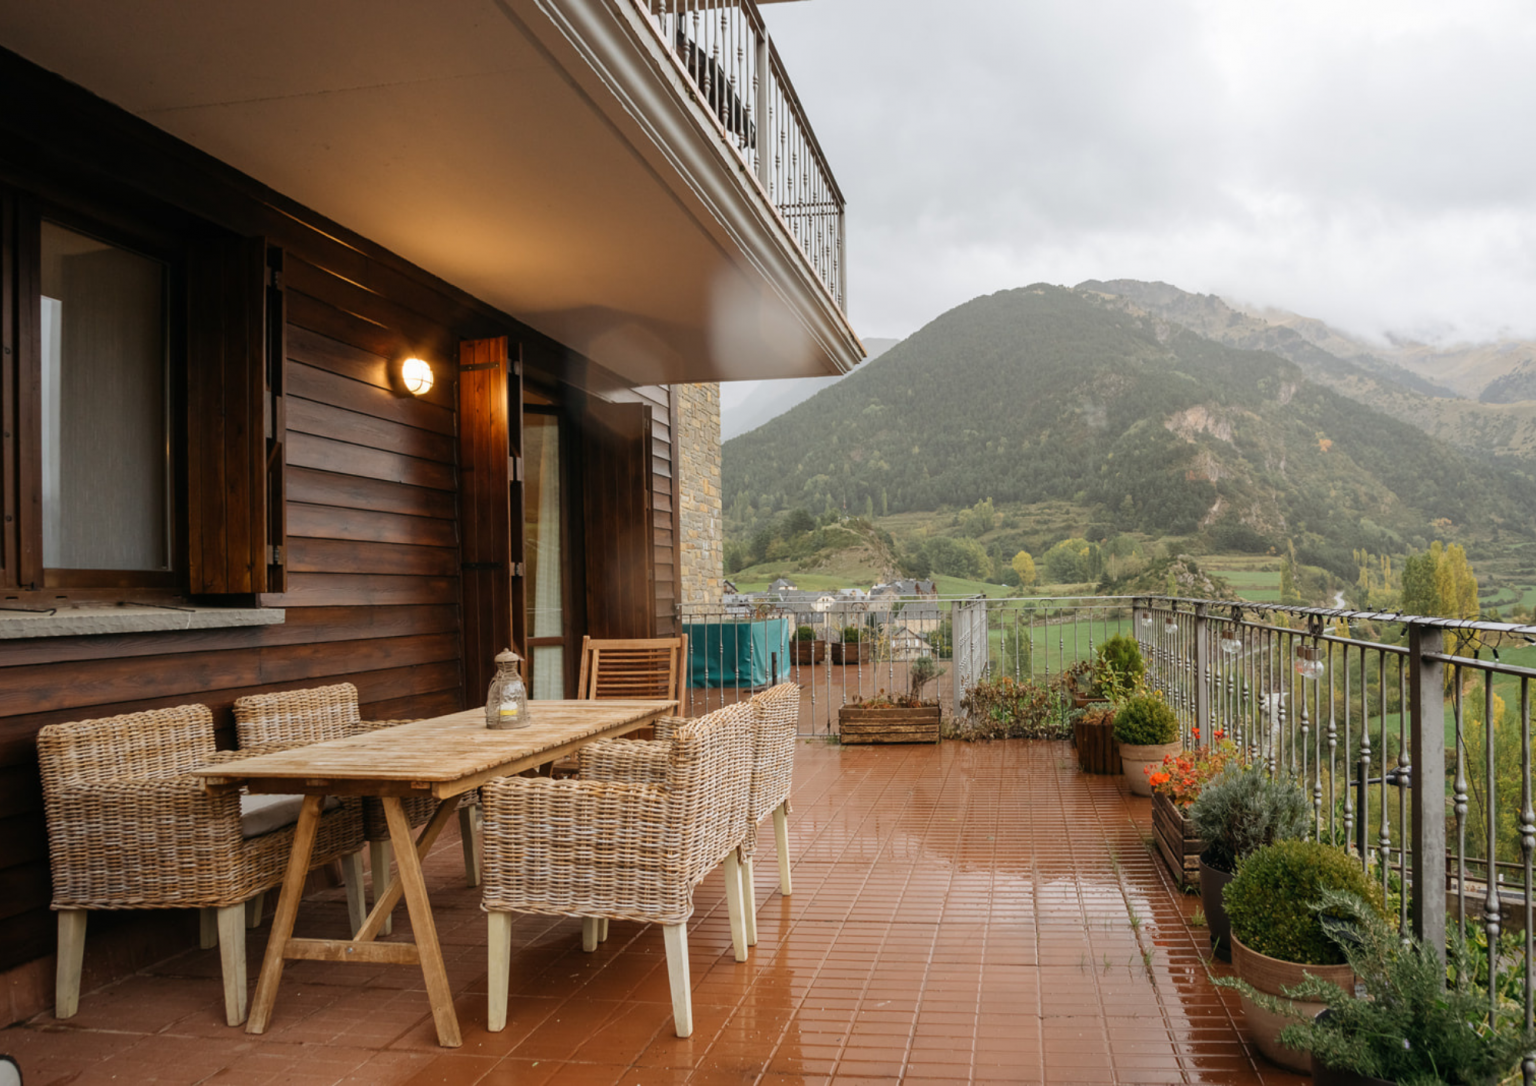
(723, 47)
(1411, 735)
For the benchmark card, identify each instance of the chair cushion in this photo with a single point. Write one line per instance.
(263, 814)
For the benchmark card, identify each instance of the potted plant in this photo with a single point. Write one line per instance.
(1078, 683)
(895, 718)
(1411, 1027)
(807, 648)
(1238, 812)
(1175, 786)
(1279, 938)
(1093, 733)
(1147, 732)
(1119, 669)
(850, 650)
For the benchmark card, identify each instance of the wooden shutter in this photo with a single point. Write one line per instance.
(490, 506)
(234, 418)
(617, 520)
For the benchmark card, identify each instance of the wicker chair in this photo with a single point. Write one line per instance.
(296, 718)
(630, 841)
(130, 828)
(775, 723)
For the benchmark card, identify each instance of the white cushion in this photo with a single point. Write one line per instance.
(263, 814)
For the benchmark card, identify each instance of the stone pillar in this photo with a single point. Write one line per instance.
(701, 550)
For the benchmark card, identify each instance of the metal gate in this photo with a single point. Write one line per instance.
(968, 621)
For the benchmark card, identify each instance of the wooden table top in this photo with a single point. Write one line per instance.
(442, 756)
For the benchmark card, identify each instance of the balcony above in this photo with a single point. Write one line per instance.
(596, 168)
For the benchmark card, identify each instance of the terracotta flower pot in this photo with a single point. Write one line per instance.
(1135, 758)
(1272, 976)
(1212, 882)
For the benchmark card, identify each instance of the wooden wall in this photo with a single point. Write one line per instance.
(664, 500)
(373, 541)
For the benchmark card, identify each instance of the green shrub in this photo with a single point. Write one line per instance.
(852, 635)
(1413, 1028)
(1145, 720)
(805, 633)
(1005, 708)
(1120, 667)
(1243, 810)
(1270, 902)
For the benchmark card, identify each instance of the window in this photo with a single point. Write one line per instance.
(543, 552)
(104, 430)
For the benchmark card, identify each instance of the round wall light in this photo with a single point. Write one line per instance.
(416, 376)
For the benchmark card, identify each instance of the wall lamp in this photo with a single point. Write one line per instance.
(416, 376)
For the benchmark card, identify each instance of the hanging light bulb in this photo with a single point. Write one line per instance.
(1231, 640)
(1145, 618)
(1309, 664)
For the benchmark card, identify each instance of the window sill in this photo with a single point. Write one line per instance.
(85, 621)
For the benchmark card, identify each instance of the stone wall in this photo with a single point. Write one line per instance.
(702, 546)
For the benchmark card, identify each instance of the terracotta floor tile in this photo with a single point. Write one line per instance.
(946, 927)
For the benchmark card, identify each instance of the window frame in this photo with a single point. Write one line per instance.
(24, 579)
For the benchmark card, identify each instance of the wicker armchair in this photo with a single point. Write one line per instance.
(632, 846)
(130, 828)
(775, 723)
(296, 718)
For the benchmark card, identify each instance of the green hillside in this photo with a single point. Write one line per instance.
(1050, 395)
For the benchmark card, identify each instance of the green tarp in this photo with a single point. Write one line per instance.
(740, 654)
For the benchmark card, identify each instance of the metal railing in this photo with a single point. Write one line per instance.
(1411, 735)
(724, 49)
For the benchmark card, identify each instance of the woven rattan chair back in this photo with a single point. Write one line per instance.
(776, 722)
(709, 775)
(636, 668)
(157, 743)
(297, 716)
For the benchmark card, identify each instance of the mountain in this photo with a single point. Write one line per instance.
(770, 399)
(1052, 394)
(1499, 424)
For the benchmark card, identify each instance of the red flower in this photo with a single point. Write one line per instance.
(1156, 778)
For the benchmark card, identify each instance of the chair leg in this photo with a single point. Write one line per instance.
(66, 999)
(207, 928)
(749, 899)
(735, 906)
(469, 837)
(378, 860)
(253, 910)
(352, 878)
(232, 957)
(589, 933)
(781, 837)
(499, 948)
(676, 937)
(602, 930)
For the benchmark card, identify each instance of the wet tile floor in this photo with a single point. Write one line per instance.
(961, 913)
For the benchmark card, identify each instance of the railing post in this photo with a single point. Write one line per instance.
(764, 71)
(1427, 737)
(1202, 676)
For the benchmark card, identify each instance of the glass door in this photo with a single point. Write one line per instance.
(544, 551)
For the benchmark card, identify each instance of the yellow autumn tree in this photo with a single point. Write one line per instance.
(1024, 566)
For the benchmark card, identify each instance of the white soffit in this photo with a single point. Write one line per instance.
(510, 148)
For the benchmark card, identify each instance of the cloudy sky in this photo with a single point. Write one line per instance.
(1373, 164)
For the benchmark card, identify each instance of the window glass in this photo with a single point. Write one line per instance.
(542, 551)
(105, 433)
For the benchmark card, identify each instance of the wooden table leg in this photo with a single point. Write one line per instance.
(408, 863)
(287, 911)
(386, 899)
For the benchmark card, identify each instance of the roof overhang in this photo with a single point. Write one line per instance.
(549, 157)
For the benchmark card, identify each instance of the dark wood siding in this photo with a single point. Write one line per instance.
(370, 509)
(663, 499)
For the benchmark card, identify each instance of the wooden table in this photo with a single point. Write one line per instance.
(443, 757)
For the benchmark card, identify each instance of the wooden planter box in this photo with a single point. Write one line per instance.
(809, 652)
(848, 654)
(1082, 701)
(1176, 841)
(1097, 751)
(889, 725)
